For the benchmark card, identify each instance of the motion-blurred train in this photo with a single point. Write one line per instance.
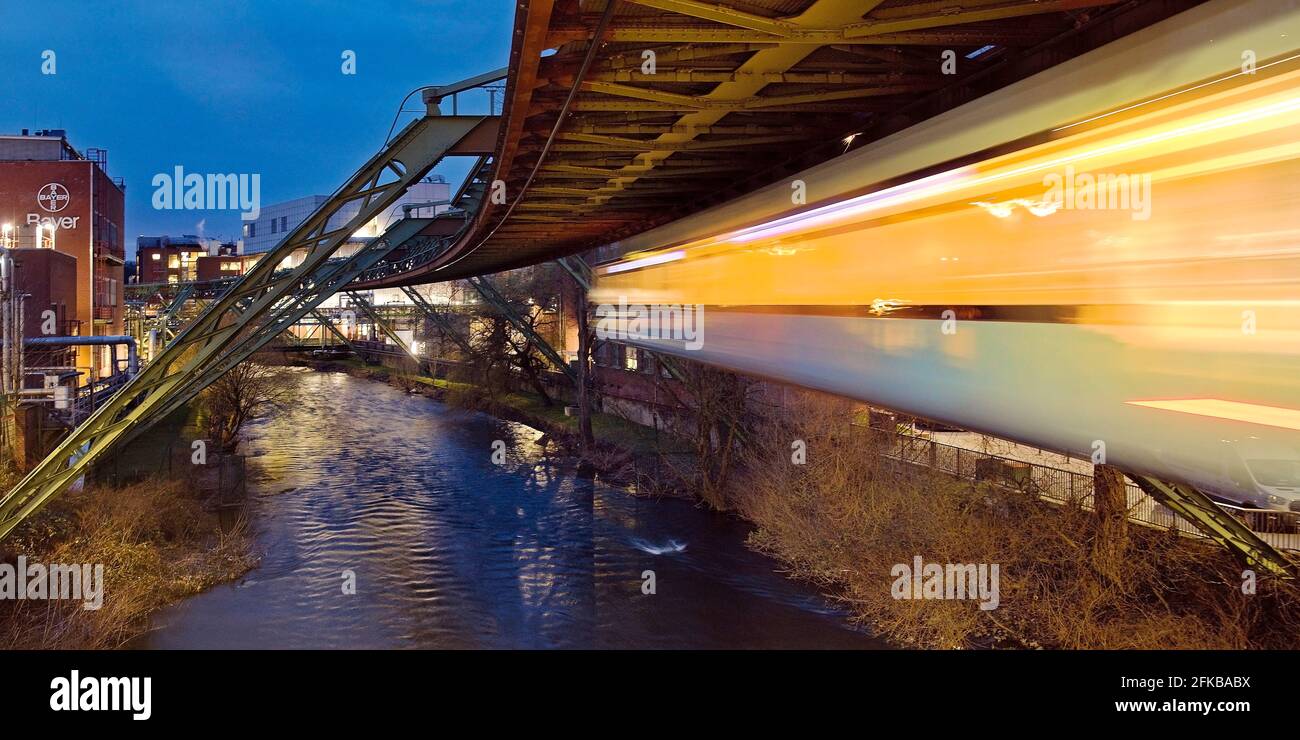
(1105, 254)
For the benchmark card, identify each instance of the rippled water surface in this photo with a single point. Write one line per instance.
(451, 551)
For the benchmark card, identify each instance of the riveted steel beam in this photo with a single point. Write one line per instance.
(938, 34)
(1218, 525)
(615, 143)
(679, 54)
(704, 102)
(646, 106)
(726, 15)
(733, 95)
(941, 14)
(659, 130)
(686, 75)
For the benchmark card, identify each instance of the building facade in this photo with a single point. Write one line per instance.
(226, 263)
(277, 220)
(54, 197)
(172, 259)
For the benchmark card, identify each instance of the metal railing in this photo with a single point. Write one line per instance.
(1279, 528)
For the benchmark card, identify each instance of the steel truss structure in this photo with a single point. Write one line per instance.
(494, 299)
(378, 321)
(685, 104)
(1218, 525)
(252, 312)
(443, 323)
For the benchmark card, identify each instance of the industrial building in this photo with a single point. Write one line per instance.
(54, 197)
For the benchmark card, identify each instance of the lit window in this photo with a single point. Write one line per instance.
(173, 261)
(156, 256)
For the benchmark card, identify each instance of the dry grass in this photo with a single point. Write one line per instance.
(846, 517)
(157, 544)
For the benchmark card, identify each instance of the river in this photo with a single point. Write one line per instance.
(357, 481)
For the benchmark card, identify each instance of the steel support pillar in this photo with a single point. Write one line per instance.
(252, 312)
(360, 302)
(1218, 524)
(496, 300)
(163, 322)
(578, 269)
(436, 317)
(329, 325)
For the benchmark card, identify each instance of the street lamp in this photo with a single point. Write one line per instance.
(4, 236)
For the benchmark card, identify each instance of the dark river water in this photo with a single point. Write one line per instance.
(452, 551)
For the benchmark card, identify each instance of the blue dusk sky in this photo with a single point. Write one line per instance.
(237, 87)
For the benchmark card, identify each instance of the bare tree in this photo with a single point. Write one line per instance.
(246, 392)
(718, 402)
(502, 351)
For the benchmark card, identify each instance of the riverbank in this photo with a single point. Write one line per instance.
(151, 519)
(156, 542)
(846, 520)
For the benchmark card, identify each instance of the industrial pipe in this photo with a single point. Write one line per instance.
(132, 357)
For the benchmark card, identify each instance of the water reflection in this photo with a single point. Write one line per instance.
(452, 551)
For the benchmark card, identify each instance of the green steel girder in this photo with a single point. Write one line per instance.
(467, 200)
(578, 269)
(326, 322)
(437, 317)
(494, 298)
(360, 301)
(257, 308)
(897, 20)
(163, 323)
(1218, 525)
(331, 279)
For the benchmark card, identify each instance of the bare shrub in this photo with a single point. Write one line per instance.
(503, 353)
(847, 516)
(156, 543)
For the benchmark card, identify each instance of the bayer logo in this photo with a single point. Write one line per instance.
(52, 197)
